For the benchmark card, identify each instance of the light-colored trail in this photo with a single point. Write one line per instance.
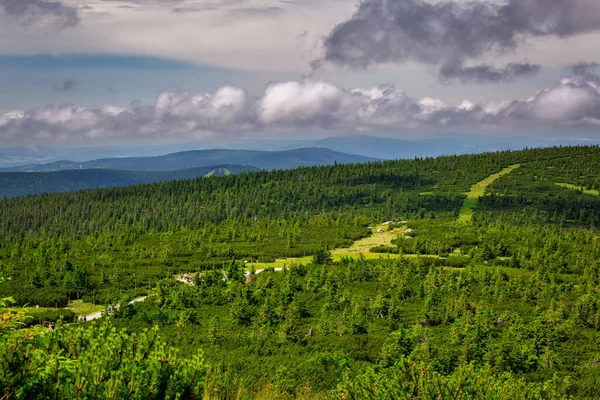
(478, 190)
(381, 236)
(182, 278)
(98, 314)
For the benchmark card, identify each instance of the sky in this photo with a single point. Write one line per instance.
(116, 72)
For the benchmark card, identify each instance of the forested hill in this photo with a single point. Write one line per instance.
(16, 184)
(267, 160)
(377, 190)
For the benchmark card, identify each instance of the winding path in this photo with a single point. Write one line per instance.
(98, 314)
(465, 215)
(246, 273)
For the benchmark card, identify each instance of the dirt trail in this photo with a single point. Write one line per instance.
(246, 273)
(98, 314)
(381, 236)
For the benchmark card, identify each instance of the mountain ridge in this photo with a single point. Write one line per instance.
(287, 159)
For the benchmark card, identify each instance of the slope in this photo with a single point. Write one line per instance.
(478, 190)
(16, 184)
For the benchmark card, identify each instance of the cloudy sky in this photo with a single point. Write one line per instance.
(91, 72)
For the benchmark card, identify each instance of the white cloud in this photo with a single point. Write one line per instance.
(296, 106)
(567, 101)
(301, 103)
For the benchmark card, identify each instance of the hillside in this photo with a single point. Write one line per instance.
(467, 277)
(17, 184)
(267, 160)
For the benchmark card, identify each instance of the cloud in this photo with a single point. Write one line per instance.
(256, 11)
(572, 101)
(181, 6)
(584, 68)
(67, 85)
(485, 73)
(41, 13)
(298, 106)
(186, 10)
(305, 103)
(449, 33)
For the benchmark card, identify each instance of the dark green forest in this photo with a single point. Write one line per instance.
(19, 184)
(501, 305)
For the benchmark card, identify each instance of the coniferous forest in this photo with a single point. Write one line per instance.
(247, 286)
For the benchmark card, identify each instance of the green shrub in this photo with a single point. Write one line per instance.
(49, 316)
(415, 380)
(96, 361)
(457, 261)
(384, 249)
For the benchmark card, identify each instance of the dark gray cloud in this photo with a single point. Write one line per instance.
(154, 2)
(67, 85)
(573, 103)
(451, 33)
(485, 73)
(182, 6)
(33, 12)
(187, 10)
(256, 11)
(584, 68)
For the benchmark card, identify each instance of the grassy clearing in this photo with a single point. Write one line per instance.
(376, 239)
(581, 189)
(478, 190)
(78, 307)
(358, 248)
(361, 247)
(81, 308)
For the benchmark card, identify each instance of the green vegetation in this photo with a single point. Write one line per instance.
(498, 301)
(593, 192)
(409, 380)
(364, 248)
(478, 190)
(96, 362)
(532, 193)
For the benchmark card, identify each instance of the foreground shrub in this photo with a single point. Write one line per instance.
(416, 380)
(95, 361)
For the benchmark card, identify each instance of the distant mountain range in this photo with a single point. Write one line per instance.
(390, 148)
(387, 148)
(394, 149)
(202, 158)
(67, 176)
(150, 166)
(16, 184)
(362, 145)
